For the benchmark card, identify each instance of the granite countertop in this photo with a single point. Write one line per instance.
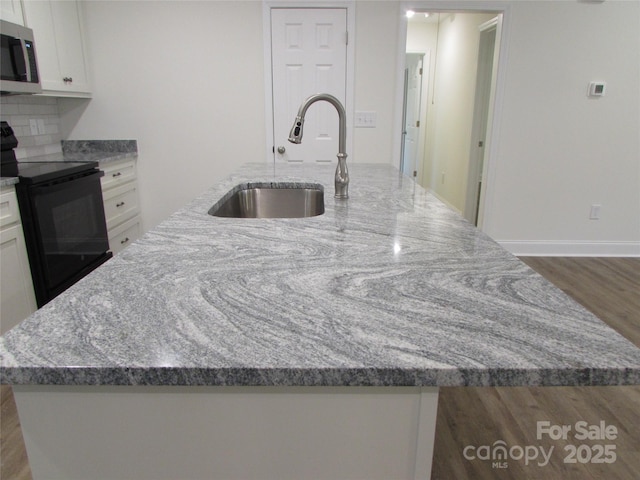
(8, 181)
(103, 151)
(102, 157)
(390, 288)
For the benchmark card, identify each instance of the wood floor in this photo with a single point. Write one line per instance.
(609, 287)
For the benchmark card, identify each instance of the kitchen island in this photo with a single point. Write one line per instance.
(291, 348)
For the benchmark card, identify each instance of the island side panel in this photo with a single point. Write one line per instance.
(97, 432)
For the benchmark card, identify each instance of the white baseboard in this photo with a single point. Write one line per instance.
(571, 248)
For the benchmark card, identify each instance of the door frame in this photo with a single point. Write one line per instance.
(267, 6)
(503, 11)
(485, 82)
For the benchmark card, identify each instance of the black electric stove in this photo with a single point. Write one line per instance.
(63, 218)
(8, 141)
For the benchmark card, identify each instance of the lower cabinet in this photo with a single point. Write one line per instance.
(17, 298)
(125, 233)
(121, 205)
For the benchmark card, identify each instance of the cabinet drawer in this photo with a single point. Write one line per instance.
(123, 235)
(120, 204)
(117, 173)
(9, 211)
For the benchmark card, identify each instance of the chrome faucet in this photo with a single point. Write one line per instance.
(295, 136)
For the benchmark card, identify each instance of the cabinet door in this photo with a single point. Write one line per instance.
(17, 300)
(11, 11)
(62, 61)
(124, 235)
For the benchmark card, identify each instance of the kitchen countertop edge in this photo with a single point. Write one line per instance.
(309, 377)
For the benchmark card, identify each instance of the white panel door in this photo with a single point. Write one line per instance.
(309, 55)
(412, 103)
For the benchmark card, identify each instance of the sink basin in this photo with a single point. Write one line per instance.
(271, 201)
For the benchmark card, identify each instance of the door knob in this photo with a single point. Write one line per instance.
(281, 150)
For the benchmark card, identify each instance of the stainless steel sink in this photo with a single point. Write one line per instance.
(269, 201)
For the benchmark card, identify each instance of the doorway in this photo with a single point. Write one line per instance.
(481, 114)
(462, 74)
(306, 52)
(412, 113)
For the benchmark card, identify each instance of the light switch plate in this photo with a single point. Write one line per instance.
(365, 120)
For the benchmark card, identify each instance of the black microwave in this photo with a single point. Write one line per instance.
(19, 68)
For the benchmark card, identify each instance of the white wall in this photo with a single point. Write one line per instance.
(183, 78)
(375, 87)
(454, 87)
(186, 79)
(559, 151)
(451, 101)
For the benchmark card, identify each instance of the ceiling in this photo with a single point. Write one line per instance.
(419, 17)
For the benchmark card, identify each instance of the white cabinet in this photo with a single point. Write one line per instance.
(59, 37)
(121, 204)
(122, 235)
(11, 11)
(17, 298)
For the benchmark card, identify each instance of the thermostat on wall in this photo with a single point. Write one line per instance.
(596, 89)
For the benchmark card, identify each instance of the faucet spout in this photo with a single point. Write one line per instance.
(295, 136)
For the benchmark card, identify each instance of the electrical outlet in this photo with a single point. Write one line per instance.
(594, 214)
(36, 126)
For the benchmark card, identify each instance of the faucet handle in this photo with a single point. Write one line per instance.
(295, 135)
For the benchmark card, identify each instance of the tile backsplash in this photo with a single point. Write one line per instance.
(36, 123)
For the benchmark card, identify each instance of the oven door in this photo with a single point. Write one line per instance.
(70, 228)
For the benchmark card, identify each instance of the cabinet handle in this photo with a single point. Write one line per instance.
(117, 174)
(67, 80)
(119, 204)
(122, 242)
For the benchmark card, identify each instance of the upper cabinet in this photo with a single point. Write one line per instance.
(59, 37)
(11, 11)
